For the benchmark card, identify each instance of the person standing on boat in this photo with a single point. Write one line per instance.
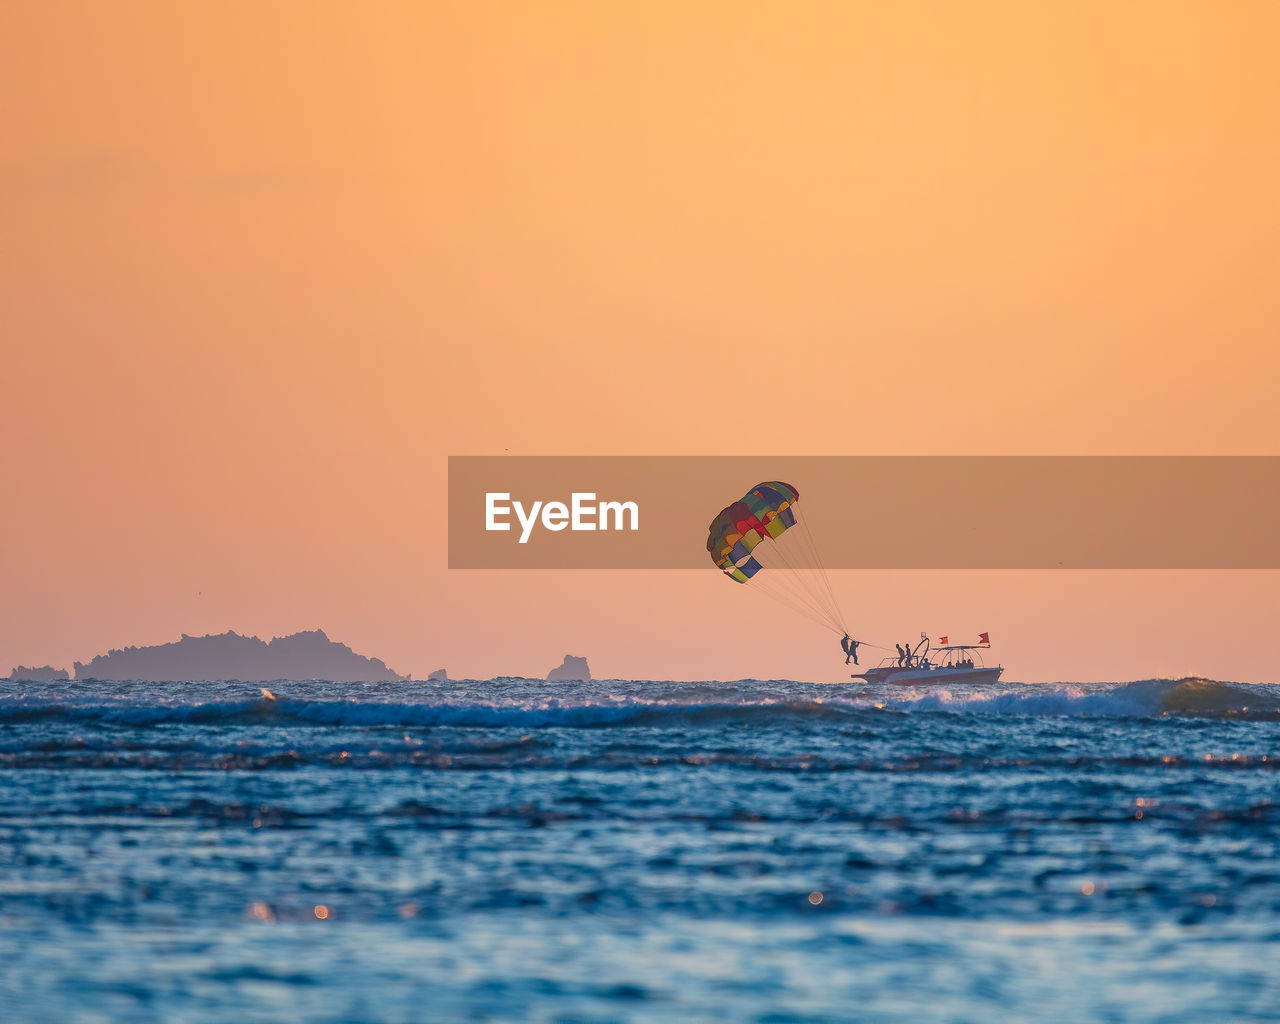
(902, 655)
(907, 650)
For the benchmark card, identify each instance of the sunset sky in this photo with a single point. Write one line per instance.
(265, 266)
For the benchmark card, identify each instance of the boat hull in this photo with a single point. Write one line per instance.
(932, 677)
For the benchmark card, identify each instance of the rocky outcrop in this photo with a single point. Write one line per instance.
(573, 669)
(307, 655)
(438, 676)
(43, 674)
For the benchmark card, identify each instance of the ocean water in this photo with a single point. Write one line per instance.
(639, 851)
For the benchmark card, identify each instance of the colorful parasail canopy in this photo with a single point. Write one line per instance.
(761, 540)
(763, 513)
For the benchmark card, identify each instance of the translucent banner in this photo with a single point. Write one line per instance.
(871, 512)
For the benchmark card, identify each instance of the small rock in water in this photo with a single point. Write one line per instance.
(573, 669)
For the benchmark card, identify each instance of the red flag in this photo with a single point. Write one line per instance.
(984, 638)
(945, 641)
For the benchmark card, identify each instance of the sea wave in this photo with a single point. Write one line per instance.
(1148, 698)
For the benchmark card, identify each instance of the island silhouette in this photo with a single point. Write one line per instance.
(306, 655)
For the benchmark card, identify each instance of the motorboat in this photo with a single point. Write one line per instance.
(926, 665)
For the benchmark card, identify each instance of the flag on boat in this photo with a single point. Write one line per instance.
(945, 641)
(984, 638)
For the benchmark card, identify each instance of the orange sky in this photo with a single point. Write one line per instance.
(265, 266)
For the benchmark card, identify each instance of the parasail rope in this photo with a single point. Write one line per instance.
(812, 596)
(823, 596)
(806, 535)
(788, 600)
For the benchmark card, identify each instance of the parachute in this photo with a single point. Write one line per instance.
(761, 541)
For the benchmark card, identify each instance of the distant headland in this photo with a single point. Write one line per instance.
(306, 655)
(43, 674)
(230, 655)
